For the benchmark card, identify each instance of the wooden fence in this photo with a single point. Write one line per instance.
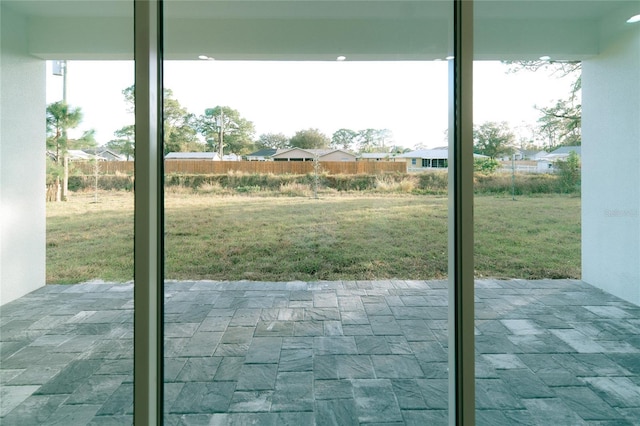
(250, 167)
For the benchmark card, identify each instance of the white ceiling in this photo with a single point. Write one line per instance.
(321, 30)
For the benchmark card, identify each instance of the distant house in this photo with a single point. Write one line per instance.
(80, 155)
(231, 157)
(523, 155)
(429, 159)
(566, 150)
(515, 155)
(378, 156)
(547, 163)
(88, 154)
(423, 159)
(105, 154)
(265, 154)
(299, 154)
(201, 156)
(532, 154)
(193, 156)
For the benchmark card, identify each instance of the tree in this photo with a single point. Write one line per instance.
(180, 127)
(130, 98)
(485, 165)
(493, 139)
(272, 140)
(559, 68)
(310, 139)
(60, 117)
(86, 140)
(226, 123)
(343, 139)
(561, 123)
(125, 142)
(397, 149)
(374, 140)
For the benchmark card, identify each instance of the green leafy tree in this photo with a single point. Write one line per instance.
(569, 171)
(310, 139)
(397, 149)
(180, 126)
(493, 139)
(125, 142)
(343, 139)
(237, 132)
(272, 140)
(130, 98)
(374, 140)
(86, 140)
(485, 165)
(60, 117)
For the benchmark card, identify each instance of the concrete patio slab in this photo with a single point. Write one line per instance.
(324, 353)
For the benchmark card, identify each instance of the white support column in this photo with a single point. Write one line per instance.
(148, 222)
(22, 160)
(611, 168)
(461, 280)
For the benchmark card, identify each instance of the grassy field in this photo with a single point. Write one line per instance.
(341, 236)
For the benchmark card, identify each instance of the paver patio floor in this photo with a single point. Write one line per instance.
(345, 353)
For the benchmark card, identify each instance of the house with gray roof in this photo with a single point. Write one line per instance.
(547, 163)
(429, 159)
(300, 154)
(264, 154)
(192, 156)
(379, 156)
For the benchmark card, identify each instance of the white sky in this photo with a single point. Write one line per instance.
(409, 98)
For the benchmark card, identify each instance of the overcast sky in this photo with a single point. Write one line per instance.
(409, 98)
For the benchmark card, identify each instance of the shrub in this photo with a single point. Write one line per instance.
(569, 173)
(294, 189)
(525, 184)
(246, 189)
(109, 182)
(433, 182)
(485, 165)
(429, 182)
(210, 188)
(395, 183)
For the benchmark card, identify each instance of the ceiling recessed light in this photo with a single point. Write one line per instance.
(341, 58)
(205, 58)
(448, 58)
(634, 19)
(545, 58)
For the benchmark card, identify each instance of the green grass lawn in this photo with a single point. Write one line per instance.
(348, 237)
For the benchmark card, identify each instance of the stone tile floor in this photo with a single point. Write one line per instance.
(326, 353)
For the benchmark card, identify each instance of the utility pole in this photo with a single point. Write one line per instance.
(60, 69)
(220, 123)
(513, 177)
(65, 157)
(217, 125)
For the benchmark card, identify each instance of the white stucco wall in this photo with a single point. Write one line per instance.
(22, 162)
(611, 169)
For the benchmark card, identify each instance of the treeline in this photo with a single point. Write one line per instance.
(224, 130)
